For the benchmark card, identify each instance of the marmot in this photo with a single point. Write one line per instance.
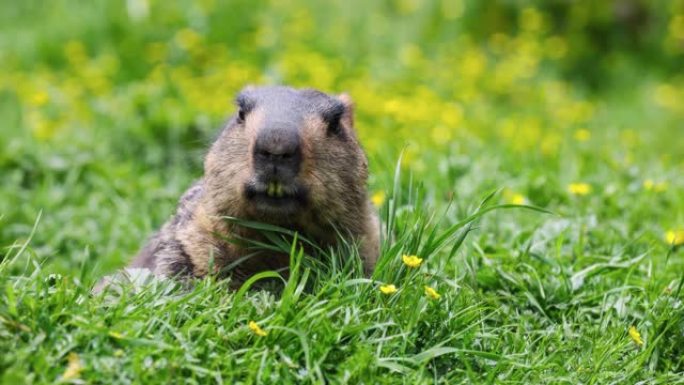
(288, 157)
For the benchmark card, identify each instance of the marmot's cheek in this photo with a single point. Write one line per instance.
(317, 190)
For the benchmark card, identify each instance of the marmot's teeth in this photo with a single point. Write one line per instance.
(271, 189)
(279, 190)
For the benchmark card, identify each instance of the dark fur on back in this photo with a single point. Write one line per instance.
(331, 181)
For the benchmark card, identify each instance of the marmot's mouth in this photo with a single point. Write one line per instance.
(276, 197)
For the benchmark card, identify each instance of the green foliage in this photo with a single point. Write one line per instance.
(570, 109)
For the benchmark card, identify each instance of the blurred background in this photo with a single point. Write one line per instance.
(107, 106)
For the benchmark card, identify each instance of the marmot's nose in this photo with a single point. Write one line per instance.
(277, 151)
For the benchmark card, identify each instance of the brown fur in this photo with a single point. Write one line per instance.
(334, 172)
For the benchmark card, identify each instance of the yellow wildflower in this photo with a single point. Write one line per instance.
(188, 39)
(635, 335)
(432, 293)
(388, 289)
(39, 98)
(676, 27)
(412, 260)
(513, 197)
(660, 187)
(582, 135)
(666, 96)
(75, 51)
(556, 47)
(43, 129)
(675, 237)
(518, 199)
(119, 353)
(74, 367)
(531, 19)
(453, 9)
(650, 185)
(579, 188)
(256, 329)
(378, 198)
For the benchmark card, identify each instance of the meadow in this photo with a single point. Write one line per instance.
(528, 154)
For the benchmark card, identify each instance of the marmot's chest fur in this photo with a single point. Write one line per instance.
(288, 157)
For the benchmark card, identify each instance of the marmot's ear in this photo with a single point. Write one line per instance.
(348, 115)
(245, 91)
(245, 101)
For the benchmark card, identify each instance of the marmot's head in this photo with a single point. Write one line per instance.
(286, 156)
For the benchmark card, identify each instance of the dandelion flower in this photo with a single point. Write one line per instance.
(256, 329)
(378, 198)
(635, 336)
(432, 293)
(412, 260)
(388, 289)
(579, 188)
(675, 237)
(74, 367)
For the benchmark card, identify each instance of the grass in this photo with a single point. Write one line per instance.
(470, 166)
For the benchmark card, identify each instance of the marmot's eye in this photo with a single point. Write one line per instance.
(241, 115)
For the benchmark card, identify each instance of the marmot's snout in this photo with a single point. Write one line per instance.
(277, 159)
(277, 154)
